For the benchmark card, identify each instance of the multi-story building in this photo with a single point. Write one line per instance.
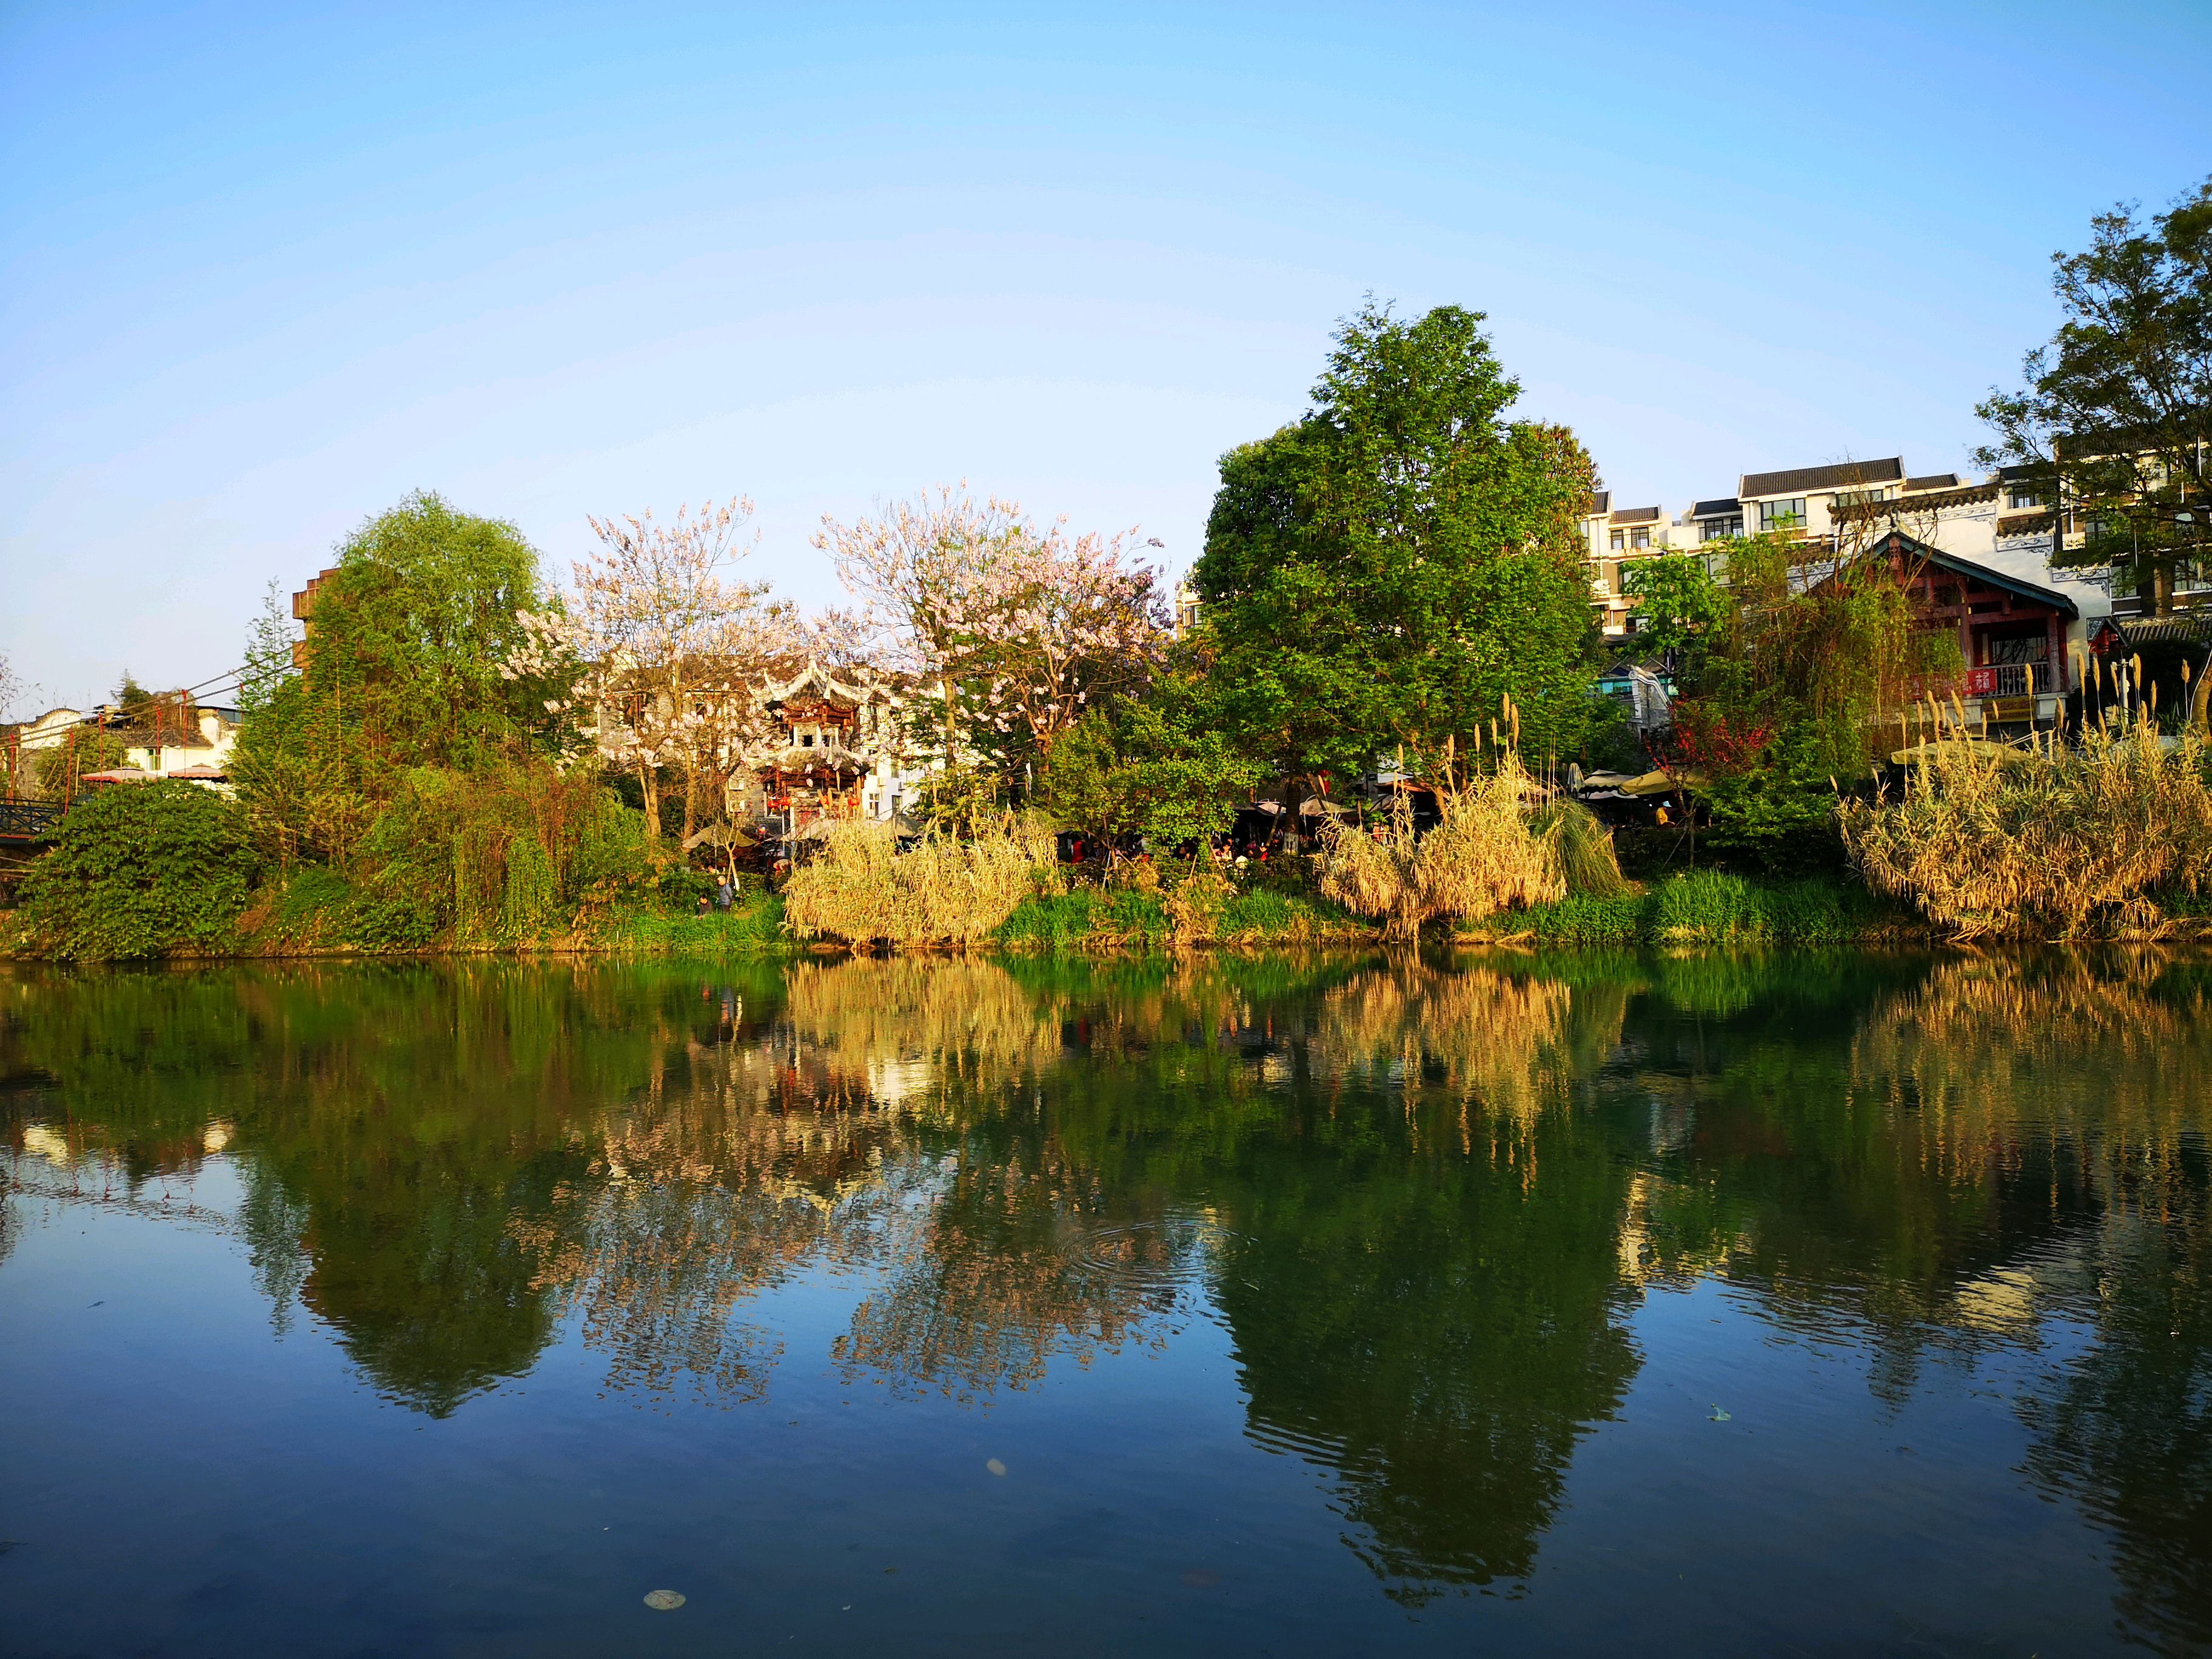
(1617, 538)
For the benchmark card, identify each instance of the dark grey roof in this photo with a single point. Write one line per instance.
(1637, 516)
(1934, 481)
(2164, 631)
(1847, 474)
(2034, 592)
(1720, 508)
(1601, 502)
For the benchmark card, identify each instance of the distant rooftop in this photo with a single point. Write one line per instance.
(1637, 516)
(1720, 508)
(1601, 504)
(1797, 481)
(1934, 481)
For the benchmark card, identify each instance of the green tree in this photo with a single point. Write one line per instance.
(1784, 683)
(143, 870)
(2115, 421)
(1384, 573)
(402, 669)
(1156, 767)
(270, 666)
(1682, 609)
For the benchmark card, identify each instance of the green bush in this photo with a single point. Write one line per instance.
(142, 870)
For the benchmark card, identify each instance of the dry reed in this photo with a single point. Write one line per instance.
(1487, 854)
(948, 890)
(2052, 840)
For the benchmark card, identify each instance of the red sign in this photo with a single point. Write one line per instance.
(1981, 682)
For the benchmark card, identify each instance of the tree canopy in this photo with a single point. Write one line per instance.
(1383, 573)
(2116, 415)
(402, 669)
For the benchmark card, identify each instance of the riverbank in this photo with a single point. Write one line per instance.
(1689, 909)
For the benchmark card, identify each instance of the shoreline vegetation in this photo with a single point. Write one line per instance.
(1381, 682)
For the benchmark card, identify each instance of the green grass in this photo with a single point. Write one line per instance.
(1086, 916)
(753, 927)
(1710, 906)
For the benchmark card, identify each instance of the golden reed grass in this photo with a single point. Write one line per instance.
(1488, 853)
(948, 890)
(2051, 841)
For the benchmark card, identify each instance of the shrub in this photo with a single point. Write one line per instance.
(501, 856)
(949, 889)
(1580, 850)
(2052, 840)
(142, 870)
(1195, 906)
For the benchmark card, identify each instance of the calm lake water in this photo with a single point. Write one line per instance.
(1801, 1305)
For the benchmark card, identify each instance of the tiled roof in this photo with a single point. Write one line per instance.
(1637, 516)
(1848, 475)
(1720, 508)
(1934, 481)
(1601, 502)
(2023, 523)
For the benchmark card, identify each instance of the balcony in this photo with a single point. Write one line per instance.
(2011, 679)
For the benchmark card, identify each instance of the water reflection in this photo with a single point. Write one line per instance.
(1426, 1199)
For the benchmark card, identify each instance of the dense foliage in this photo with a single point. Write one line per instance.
(2115, 414)
(1384, 573)
(401, 670)
(142, 870)
(1786, 673)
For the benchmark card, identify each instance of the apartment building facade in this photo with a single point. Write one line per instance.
(1995, 535)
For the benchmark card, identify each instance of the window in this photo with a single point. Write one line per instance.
(2023, 495)
(1640, 538)
(1620, 540)
(808, 740)
(1720, 530)
(1847, 498)
(1782, 515)
(1613, 578)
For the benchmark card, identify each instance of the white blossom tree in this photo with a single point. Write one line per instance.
(1018, 628)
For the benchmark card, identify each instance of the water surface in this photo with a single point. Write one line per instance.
(1698, 1305)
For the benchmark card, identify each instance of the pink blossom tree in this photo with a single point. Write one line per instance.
(666, 652)
(1018, 628)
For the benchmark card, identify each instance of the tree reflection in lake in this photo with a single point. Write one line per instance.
(1425, 1200)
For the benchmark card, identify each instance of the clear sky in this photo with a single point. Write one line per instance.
(265, 273)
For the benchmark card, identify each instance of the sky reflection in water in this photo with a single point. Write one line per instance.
(1699, 1304)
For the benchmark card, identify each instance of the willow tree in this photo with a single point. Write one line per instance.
(1384, 573)
(400, 668)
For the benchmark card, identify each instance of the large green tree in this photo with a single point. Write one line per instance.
(401, 668)
(2116, 416)
(1383, 573)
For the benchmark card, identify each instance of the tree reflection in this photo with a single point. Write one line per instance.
(1424, 1199)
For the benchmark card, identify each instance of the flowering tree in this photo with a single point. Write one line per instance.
(665, 652)
(1021, 629)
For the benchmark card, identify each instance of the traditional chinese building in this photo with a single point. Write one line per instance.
(2023, 643)
(836, 747)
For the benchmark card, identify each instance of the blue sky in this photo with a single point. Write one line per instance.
(265, 273)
